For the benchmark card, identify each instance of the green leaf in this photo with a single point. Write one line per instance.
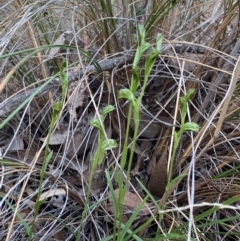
(151, 58)
(183, 101)
(63, 65)
(186, 98)
(159, 40)
(21, 219)
(190, 126)
(126, 228)
(45, 163)
(135, 79)
(189, 94)
(144, 47)
(142, 33)
(139, 52)
(63, 75)
(38, 205)
(137, 57)
(108, 144)
(96, 123)
(126, 94)
(57, 107)
(176, 136)
(183, 104)
(175, 180)
(136, 115)
(107, 109)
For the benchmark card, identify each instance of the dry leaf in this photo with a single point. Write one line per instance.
(151, 131)
(74, 195)
(16, 145)
(151, 165)
(142, 155)
(158, 179)
(75, 95)
(132, 201)
(74, 143)
(60, 235)
(138, 150)
(58, 137)
(72, 39)
(73, 179)
(25, 156)
(77, 143)
(53, 51)
(65, 38)
(191, 61)
(98, 182)
(52, 192)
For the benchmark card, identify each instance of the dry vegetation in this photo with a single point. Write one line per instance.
(62, 63)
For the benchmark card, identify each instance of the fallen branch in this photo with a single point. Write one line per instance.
(15, 100)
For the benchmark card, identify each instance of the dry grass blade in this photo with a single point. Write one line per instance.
(224, 107)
